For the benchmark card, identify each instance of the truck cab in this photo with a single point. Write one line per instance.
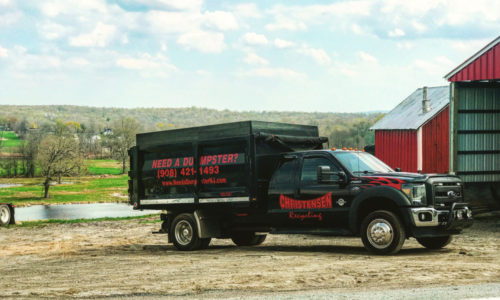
(342, 192)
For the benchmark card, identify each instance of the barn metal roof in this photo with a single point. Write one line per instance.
(409, 115)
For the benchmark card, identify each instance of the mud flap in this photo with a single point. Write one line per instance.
(12, 215)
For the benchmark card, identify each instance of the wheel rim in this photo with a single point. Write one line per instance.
(183, 232)
(380, 233)
(4, 214)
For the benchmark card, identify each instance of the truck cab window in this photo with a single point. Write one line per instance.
(310, 166)
(285, 173)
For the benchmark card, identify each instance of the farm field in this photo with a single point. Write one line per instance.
(115, 259)
(9, 141)
(101, 182)
(86, 189)
(96, 187)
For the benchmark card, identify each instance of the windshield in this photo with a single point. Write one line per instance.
(361, 162)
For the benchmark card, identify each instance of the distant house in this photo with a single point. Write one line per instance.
(107, 131)
(414, 135)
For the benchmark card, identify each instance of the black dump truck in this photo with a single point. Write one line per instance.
(246, 179)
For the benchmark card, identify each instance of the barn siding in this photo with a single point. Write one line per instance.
(397, 148)
(435, 143)
(485, 67)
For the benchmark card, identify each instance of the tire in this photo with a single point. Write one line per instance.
(382, 232)
(247, 238)
(437, 242)
(5, 215)
(185, 233)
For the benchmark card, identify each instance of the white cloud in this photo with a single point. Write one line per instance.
(367, 57)
(470, 46)
(404, 45)
(75, 7)
(221, 20)
(173, 22)
(184, 5)
(284, 23)
(247, 10)
(274, 73)
(295, 18)
(435, 67)
(419, 27)
(204, 41)
(203, 72)
(101, 36)
(282, 44)
(78, 61)
(3, 52)
(136, 63)
(397, 32)
(254, 59)
(52, 31)
(319, 55)
(9, 18)
(147, 65)
(252, 38)
(5, 2)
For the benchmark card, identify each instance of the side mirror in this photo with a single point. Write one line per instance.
(397, 169)
(325, 175)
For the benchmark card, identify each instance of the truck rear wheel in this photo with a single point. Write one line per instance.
(437, 242)
(247, 238)
(382, 232)
(5, 215)
(185, 234)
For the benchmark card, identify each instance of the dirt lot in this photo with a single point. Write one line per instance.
(123, 258)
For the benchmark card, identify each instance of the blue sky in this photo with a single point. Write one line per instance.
(331, 56)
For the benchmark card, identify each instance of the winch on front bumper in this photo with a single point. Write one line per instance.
(457, 218)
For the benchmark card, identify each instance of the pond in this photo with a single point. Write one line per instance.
(6, 185)
(77, 211)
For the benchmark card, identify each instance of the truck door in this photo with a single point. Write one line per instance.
(322, 204)
(283, 185)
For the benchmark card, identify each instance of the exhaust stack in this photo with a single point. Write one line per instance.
(425, 102)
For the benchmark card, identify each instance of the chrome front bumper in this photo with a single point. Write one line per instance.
(460, 216)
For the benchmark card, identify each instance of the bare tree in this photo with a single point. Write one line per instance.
(28, 149)
(58, 156)
(123, 138)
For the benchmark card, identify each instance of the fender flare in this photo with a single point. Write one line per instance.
(397, 197)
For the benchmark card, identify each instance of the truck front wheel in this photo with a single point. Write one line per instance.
(5, 215)
(245, 238)
(382, 232)
(437, 242)
(185, 234)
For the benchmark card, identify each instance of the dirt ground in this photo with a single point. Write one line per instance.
(122, 258)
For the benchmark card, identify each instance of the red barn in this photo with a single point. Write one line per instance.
(414, 135)
(475, 125)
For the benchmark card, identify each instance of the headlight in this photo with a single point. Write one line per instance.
(415, 192)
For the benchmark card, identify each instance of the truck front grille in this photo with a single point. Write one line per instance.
(447, 193)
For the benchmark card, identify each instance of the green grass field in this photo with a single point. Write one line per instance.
(104, 166)
(85, 189)
(9, 141)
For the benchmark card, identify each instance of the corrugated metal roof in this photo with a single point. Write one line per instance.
(408, 114)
